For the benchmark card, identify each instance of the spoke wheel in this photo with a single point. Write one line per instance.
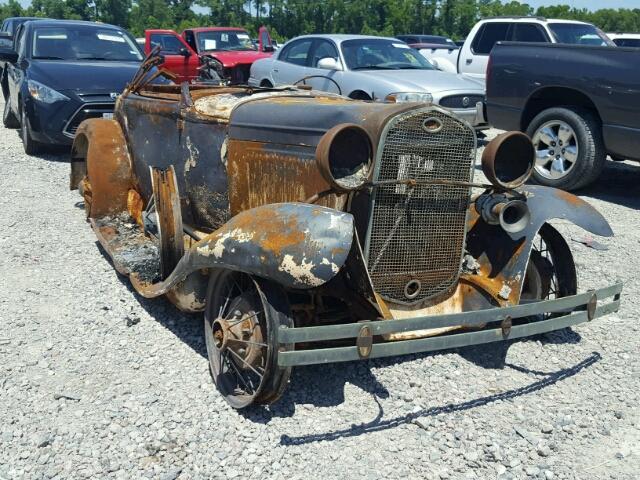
(551, 272)
(241, 320)
(556, 149)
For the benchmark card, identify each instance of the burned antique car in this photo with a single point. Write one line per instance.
(311, 228)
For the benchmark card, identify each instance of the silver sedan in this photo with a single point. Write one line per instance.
(370, 68)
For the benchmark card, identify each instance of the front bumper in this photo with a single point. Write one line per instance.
(573, 310)
(56, 124)
(473, 116)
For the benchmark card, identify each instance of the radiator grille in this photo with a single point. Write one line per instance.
(416, 234)
(86, 111)
(461, 101)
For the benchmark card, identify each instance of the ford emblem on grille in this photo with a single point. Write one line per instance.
(432, 125)
(465, 101)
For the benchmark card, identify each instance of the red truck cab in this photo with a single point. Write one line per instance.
(231, 46)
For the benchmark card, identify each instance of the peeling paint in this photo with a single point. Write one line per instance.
(334, 267)
(504, 292)
(194, 155)
(237, 234)
(301, 272)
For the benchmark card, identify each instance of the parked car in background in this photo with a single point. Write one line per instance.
(577, 108)
(471, 59)
(625, 39)
(10, 25)
(61, 73)
(369, 68)
(413, 40)
(232, 49)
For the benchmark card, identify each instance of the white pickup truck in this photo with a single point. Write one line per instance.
(472, 58)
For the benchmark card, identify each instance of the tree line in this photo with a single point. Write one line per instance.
(289, 18)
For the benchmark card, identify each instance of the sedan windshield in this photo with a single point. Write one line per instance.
(221, 40)
(83, 42)
(578, 34)
(382, 54)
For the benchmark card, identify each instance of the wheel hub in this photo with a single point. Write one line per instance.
(556, 149)
(240, 333)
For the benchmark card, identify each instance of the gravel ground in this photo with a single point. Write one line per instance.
(98, 382)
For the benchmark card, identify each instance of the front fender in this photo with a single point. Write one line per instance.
(297, 245)
(504, 257)
(547, 203)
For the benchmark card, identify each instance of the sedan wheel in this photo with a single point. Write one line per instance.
(31, 147)
(556, 149)
(9, 120)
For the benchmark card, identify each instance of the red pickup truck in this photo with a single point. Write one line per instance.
(230, 46)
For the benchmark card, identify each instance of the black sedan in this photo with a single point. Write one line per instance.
(63, 72)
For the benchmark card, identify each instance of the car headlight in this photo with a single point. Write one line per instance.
(43, 93)
(344, 157)
(403, 97)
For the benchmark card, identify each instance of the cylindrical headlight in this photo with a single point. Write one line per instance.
(508, 160)
(344, 157)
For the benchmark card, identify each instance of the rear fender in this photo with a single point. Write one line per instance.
(503, 257)
(100, 153)
(294, 244)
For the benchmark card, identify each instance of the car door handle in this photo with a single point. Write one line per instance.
(469, 61)
(275, 70)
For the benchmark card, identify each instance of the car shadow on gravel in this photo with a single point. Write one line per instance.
(618, 183)
(186, 327)
(54, 154)
(381, 424)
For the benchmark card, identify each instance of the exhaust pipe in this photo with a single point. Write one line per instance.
(497, 209)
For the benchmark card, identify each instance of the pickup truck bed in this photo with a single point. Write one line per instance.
(542, 89)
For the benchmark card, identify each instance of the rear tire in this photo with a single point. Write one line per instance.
(266, 84)
(570, 152)
(9, 119)
(31, 147)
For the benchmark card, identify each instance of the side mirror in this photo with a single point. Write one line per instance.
(184, 52)
(8, 55)
(329, 63)
(268, 48)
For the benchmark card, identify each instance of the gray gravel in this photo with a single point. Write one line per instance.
(97, 382)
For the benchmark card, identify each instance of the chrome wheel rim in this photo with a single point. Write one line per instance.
(556, 147)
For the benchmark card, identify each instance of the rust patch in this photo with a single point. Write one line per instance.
(259, 175)
(135, 205)
(258, 226)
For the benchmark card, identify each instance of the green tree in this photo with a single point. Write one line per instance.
(115, 12)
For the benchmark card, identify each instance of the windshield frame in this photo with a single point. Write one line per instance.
(606, 41)
(393, 43)
(104, 29)
(202, 34)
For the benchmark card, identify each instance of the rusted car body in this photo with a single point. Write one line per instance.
(312, 228)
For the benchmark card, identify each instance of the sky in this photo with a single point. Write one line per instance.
(538, 3)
